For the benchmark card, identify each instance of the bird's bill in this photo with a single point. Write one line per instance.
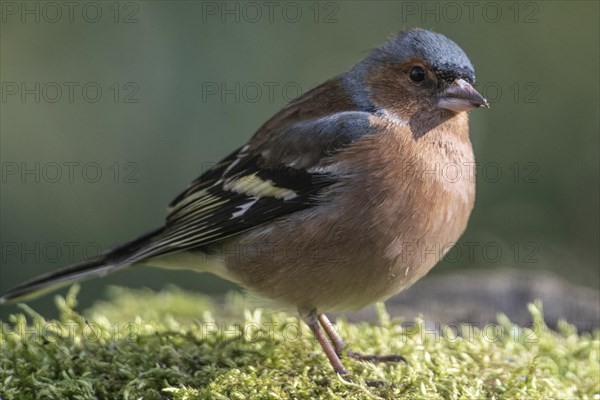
(461, 96)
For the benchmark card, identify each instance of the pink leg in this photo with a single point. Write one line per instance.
(337, 341)
(330, 352)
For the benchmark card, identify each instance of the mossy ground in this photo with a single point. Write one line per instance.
(177, 345)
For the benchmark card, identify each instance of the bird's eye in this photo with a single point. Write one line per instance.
(417, 74)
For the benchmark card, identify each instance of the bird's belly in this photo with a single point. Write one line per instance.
(334, 266)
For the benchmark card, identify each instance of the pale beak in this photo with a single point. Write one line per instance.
(461, 96)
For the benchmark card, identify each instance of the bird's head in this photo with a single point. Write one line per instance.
(416, 72)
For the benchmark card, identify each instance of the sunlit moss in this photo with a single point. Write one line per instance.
(179, 345)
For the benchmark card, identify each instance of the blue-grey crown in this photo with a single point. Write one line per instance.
(441, 53)
(444, 56)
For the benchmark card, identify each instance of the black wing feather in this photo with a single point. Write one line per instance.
(208, 212)
(251, 188)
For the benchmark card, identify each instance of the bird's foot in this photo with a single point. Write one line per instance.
(375, 358)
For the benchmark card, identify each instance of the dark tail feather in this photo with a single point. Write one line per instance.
(114, 259)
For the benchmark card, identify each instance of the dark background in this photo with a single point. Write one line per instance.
(184, 83)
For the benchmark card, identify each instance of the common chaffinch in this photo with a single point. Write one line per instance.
(323, 208)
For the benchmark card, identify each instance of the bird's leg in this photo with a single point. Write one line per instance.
(339, 345)
(310, 318)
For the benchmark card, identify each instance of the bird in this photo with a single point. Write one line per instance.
(336, 201)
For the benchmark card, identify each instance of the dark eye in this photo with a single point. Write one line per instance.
(417, 74)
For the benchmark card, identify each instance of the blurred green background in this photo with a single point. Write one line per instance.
(109, 109)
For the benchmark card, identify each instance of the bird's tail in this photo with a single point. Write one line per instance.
(114, 259)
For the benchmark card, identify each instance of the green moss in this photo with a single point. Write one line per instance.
(177, 345)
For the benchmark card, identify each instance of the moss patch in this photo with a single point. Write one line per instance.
(178, 345)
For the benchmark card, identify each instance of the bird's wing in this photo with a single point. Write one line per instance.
(257, 184)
